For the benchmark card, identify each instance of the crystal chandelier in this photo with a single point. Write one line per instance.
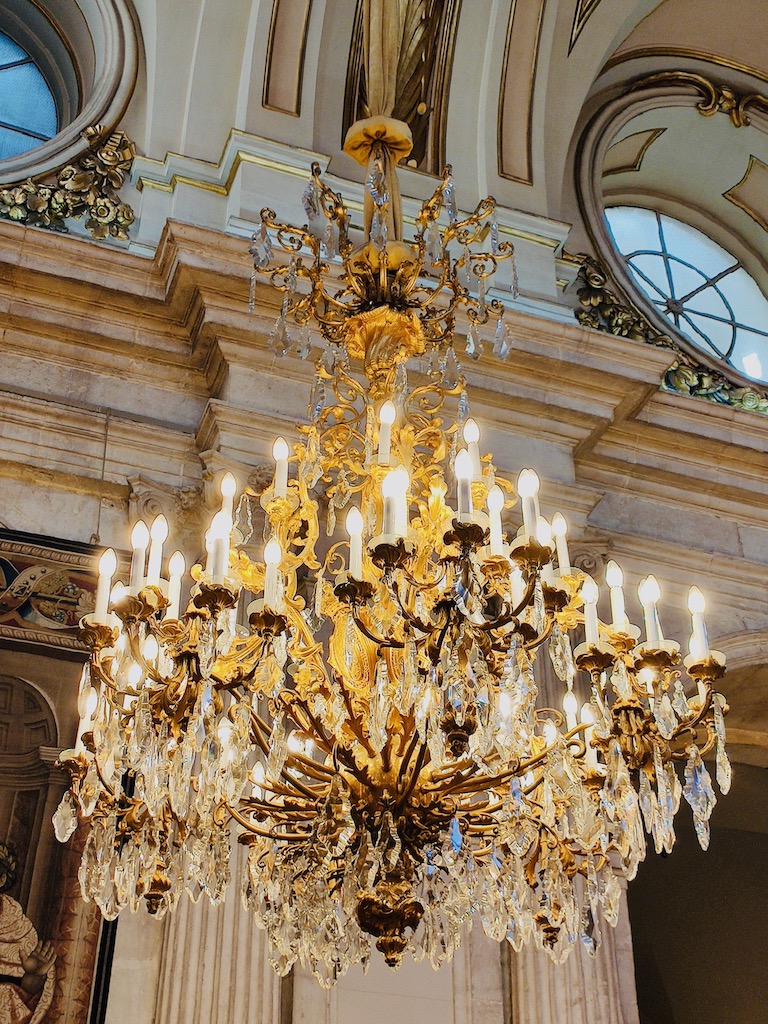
(368, 723)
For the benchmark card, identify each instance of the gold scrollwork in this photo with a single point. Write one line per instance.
(86, 188)
(602, 309)
(716, 98)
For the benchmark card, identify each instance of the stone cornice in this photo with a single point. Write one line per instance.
(167, 349)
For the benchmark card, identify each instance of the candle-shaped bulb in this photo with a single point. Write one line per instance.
(495, 499)
(139, 543)
(280, 449)
(176, 564)
(272, 552)
(355, 531)
(402, 482)
(696, 602)
(699, 642)
(140, 535)
(354, 522)
(176, 569)
(527, 488)
(280, 452)
(272, 556)
(543, 532)
(471, 432)
(257, 778)
(495, 502)
(134, 674)
(158, 533)
(570, 707)
(228, 489)
(464, 473)
(589, 594)
(108, 563)
(614, 577)
(219, 532)
(90, 704)
(107, 566)
(649, 591)
(387, 415)
(463, 465)
(527, 483)
(560, 531)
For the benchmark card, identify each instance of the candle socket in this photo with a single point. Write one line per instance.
(658, 657)
(594, 657)
(351, 590)
(468, 534)
(215, 597)
(709, 669)
(96, 635)
(389, 551)
(264, 621)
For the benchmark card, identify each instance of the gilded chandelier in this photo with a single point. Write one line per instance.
(366, 720)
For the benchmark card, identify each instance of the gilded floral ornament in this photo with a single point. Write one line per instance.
(86, 189)
(603, 310)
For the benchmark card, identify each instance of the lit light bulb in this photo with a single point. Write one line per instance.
(649, 590)
(589, 592)
(463, 465)
(228, 489)
(699, 647)
(134, 674)
(570, 707)
(158, 533)
(272, 556)
(649, 593)
(549, 731)
(543, 532)
(272, 552)
(219, 532)
(176, 568)
(495, 499)
(150, 648)
(107, 566)
(387, 413)
(527, 488)
(614, 577)
(140, 535)
(295, 744)
(280, 453)
(108, 563)
(588, 719)
(560, 531)
(354, 521)
(90, 704)
(696, 602)
(505, 706)
(257, 778)
(471, 432)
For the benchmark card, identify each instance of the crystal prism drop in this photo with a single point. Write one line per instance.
(65, 818)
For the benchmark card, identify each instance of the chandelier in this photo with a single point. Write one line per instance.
(355, 701)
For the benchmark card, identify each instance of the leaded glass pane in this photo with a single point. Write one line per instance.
(27, 107)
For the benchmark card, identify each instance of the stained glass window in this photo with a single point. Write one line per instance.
(27, 107)
(697, 285)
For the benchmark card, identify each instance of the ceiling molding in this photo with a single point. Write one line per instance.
(751, 193)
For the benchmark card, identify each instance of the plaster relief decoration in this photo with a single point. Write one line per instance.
(584, 8)
(603, 309)
(181, 506)
(716, 98)
(627, 154)
(45, 589)
(84, 189)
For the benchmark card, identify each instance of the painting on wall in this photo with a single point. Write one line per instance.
(46, 587)
(49, 938)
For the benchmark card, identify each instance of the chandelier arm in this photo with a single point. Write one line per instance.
(396, 644)
(352, 723)
(531, 645)
(414, 777)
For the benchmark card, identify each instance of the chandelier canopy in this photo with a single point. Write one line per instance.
(367, 723)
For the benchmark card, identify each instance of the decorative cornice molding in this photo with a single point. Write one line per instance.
(86, 188)
(604, 309)
(716, 98)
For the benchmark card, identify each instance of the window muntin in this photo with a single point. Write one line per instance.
(27, 107)
(697, 285)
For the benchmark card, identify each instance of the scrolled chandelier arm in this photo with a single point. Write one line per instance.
(357, 702)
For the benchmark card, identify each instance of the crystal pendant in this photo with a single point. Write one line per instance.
(473, 347)
(261, 248)
(665, 717)
(65, 818)
(699, 794)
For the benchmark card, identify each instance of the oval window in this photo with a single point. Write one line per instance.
(695, 284)
(27, 108)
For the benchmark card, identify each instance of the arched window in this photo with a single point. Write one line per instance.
(27, 106)
(695, 284)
